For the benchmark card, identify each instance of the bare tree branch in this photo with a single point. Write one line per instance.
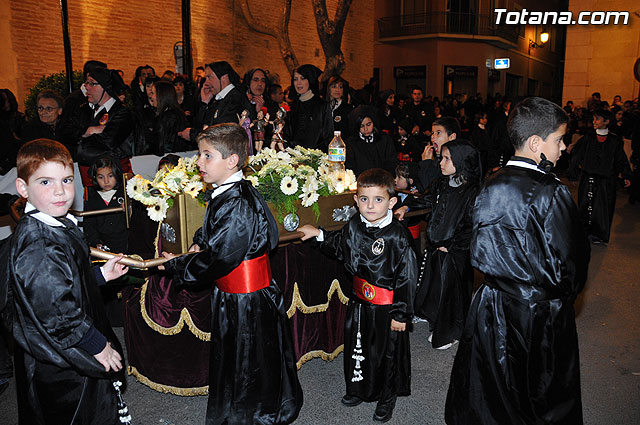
(279, 32)
(330, 34)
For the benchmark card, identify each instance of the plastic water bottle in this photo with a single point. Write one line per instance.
(337, 157)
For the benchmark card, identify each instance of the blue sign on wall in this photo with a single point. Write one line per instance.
(503, 63)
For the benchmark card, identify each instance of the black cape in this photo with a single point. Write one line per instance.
(386, 367)
(252, 374)
(310, 124)
(49, 266)
(518, 357)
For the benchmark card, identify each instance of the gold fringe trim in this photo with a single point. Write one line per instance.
(185, 317)
(186, 392)
(327, 357)
(298, 304)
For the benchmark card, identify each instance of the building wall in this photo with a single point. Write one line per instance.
(126, 34)
(600, 58)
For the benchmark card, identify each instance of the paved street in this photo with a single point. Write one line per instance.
(609, 331)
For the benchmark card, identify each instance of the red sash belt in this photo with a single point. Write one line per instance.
(374, 294)
(415, 231)
(250, 276)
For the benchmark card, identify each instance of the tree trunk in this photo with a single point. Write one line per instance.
(330, 34)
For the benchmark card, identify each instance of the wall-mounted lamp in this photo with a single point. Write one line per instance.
(544, 37)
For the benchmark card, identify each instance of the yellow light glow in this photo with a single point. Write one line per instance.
(544, 37)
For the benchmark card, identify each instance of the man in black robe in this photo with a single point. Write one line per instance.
(518, 357)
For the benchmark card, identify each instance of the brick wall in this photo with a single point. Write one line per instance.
(126, 34)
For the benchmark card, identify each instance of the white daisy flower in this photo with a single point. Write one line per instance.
(289, 185)
(253, 179)
(309, 198)
(158, 212)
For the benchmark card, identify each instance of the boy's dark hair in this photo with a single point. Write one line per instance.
(377, 177)
(49, 94)
(274, 89)
(403, 170)
(36, 152)
(179, 79)
(450, 124)
(416, 87)
(604, 114)
(228, 139)
(534, 116)
(151, 81)
(106, 162)
(477, 117)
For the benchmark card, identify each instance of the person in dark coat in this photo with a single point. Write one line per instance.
(338, 97)
(310, 122)
(252, 374)
(68, 357)
(390, 115)
(409, 146)
(49, 107)
(256, 86)
(446, 277)
(168, 122)
(368, 147)
(482, 141)
(378, 251)
(518, 360)
(220, 99)
(599, 157)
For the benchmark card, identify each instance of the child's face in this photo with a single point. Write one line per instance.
(599, 122)
(401, 182)
(374, 202)
(446, 164)
(50, 189)
(105, 178)
(213, 168)
(278, 96)
(401, 131)
(336, 90)
(553, 145)
(439, 137)
(366, 126)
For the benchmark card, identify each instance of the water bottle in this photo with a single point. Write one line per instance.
(337, 157)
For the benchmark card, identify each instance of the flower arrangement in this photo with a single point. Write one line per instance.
(294, 174)
(168, 182)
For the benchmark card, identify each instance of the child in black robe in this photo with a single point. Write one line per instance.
(106, 231)
(518, 361)
(67, 355)
(252, 373)
(377, 250)
(600, 158)
(368, 147)
(446, 276)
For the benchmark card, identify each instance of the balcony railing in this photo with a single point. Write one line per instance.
(444, 22)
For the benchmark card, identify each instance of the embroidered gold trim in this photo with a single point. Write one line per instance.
(298, 304)
(186, 392)
(185, 317)
(327, 357)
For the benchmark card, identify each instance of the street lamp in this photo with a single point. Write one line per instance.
(544, 37)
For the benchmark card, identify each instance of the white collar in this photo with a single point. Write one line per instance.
(602, 131)
(46, 218)
(306, 96)
(236, 177)
(224, 92)
(106, 105)
(523, 164)
(382, 223)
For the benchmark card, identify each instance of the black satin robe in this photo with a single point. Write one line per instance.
(252, 372)
(600, 164)
(446, 278)
(56, 301)
(518, 357)
(107, 229)
(310, 124)
(386, 367)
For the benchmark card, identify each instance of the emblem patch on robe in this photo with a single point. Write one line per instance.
(378, 246)
(423, 113)
(215, 115)
(368, 291)
(337, 118)
(104, 119)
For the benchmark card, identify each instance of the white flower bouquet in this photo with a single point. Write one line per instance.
(285, 177)
(168, 182)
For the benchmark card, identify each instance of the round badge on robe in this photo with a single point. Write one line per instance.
(120, 200)
(423, 113)
(104, 119)
(337, 118)
(368, 291)
(378, 246)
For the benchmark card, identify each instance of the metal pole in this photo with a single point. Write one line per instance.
(187, 60)
(67, 44)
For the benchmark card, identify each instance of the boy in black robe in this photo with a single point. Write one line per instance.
(518, 357)
(66, 352)
(252, 372)
(600, 158)
(377, 250)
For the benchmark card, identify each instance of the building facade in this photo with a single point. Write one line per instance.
(450, 47)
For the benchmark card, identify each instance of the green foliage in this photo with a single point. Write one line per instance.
(54, 82)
